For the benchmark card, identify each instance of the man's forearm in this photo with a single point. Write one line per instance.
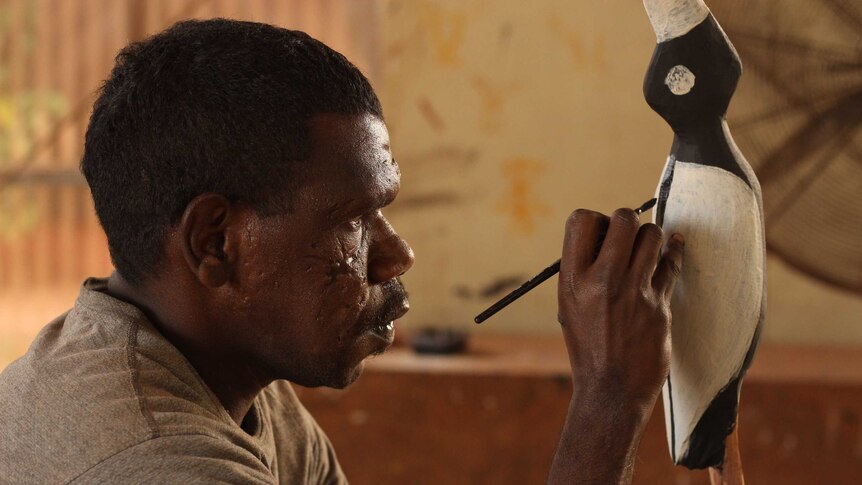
(599, 442)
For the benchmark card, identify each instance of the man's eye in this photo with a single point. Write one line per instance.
(355, 224)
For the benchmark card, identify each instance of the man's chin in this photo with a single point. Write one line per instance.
(338, 380)
(355, 371)
(367, 345)
(351, 374)
(350, 377)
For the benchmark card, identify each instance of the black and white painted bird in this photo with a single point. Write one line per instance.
(709, 194)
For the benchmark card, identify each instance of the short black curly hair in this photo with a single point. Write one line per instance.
(207, 106)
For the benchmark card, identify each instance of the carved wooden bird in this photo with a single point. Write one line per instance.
(709, 194)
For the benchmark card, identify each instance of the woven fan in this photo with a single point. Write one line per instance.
(797, 116)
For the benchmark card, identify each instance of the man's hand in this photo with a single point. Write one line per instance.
(614, 309)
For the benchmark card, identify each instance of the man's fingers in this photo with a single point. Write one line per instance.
(617, 249)
(670, 266)
(582, 231)
(645, 253)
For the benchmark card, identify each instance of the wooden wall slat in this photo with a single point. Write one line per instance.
(42, 61)
(18, 270)
(68, 64)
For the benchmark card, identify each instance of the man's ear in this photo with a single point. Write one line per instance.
(207, 235)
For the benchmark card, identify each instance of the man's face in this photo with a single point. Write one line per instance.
(321, 286)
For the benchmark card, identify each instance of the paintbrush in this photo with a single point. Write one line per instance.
(545, 274)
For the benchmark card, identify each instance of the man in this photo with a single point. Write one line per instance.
(239, 171)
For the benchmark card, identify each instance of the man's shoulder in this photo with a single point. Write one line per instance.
(95, 382)
(67, 402)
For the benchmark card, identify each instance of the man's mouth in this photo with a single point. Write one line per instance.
(395, 307)
(385, 327)
(385, 331)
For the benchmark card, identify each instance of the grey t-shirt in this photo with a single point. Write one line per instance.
(102, 397)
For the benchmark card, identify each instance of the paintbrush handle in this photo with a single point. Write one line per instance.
(547, 273)
(518, 292)
(532, 283)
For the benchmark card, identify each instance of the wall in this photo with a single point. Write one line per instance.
(506, 117)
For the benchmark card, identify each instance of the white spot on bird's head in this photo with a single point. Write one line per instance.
(679, 80)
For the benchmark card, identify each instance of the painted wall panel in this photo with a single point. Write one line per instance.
(505, 118)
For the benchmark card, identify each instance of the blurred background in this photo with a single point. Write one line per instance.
(505, 116)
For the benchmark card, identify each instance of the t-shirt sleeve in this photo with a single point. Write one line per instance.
(179, 459)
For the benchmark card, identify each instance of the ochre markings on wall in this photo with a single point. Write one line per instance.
(430, 114)
(493, 100)
(584, 54)
(520, 201)
(445, 31)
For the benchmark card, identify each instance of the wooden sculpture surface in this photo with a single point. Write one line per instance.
(708, 193)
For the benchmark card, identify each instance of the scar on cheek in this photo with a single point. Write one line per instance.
(346, 268)
(348, 290)
(343, 296)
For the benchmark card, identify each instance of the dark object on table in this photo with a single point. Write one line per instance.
(439, 341)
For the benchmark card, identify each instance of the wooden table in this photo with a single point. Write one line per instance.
(493, 415)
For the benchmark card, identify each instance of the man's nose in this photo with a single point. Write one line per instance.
(391, 259)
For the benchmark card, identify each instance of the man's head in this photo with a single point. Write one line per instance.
(244, 166)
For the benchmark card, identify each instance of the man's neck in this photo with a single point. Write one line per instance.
(177, 314)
